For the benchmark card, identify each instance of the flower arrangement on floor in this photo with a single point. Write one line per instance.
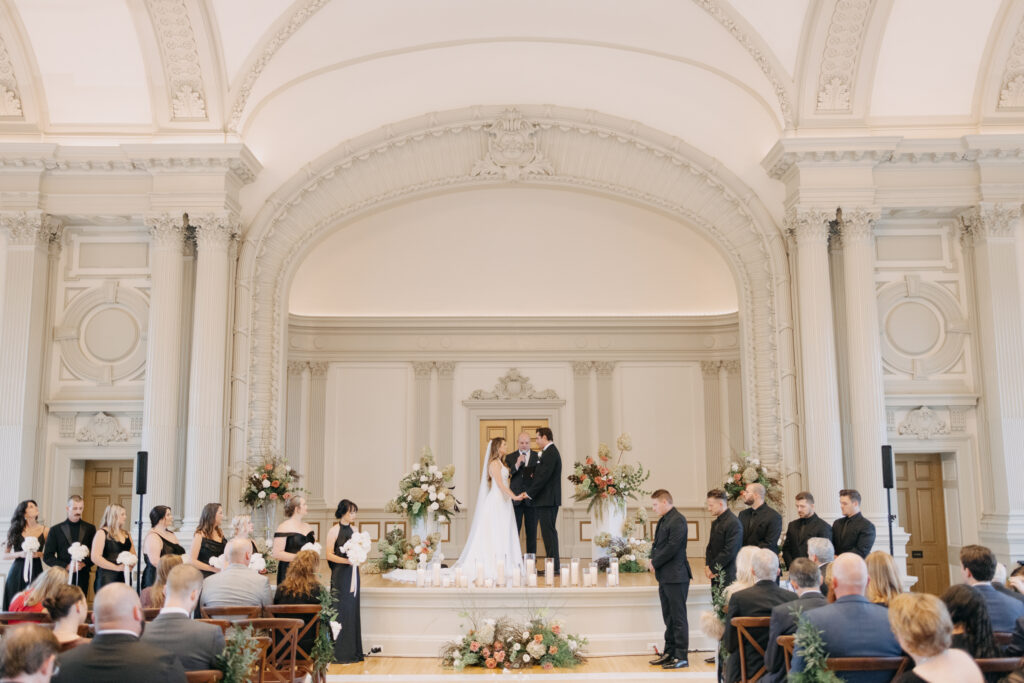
(750, 471)
(632, 552)
(397, 552)
(241, 652)
(507, 644)
(712, 622)
(811, 645)
(270, 480)
(322, 652)
(603, 481)
(426, 487)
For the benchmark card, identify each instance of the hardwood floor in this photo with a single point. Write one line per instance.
(396, 666)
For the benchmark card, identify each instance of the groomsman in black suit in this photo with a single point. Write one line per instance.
(725, 539)
(523, 463)
(852, 533)
(71, 530)
(762, 526)
(545, 491)
(672, 570)
(806, 525)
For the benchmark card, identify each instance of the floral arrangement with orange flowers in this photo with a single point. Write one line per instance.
(749, 470)
(602, 480)
(510, 645)
(270, 480)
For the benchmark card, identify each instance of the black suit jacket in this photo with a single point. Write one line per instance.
(55, 551)
(757, 601)
(761, 527)
(797, 533)
(784, 618)
(118, 657)
(668, 552)
(546, 488)
(519, 479)
(853, 535)
(724, 543)
(1016, 646)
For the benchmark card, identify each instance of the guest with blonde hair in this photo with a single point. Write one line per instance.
(46, 585)
(883, 578)
(67, 609)
(242, 527)
(154, 595)
(110, 541)
(924, 630)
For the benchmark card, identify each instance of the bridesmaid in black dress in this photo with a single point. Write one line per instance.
(159, 542)
(110, 541)
(24, 524)
(209, 540)
(348, 647)
(291, 535)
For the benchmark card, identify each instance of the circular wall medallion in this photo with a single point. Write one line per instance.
(923, 329)
(110, 334)
(914, 328)
(102, 337)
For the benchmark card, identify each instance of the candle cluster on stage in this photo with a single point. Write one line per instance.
(575, 575)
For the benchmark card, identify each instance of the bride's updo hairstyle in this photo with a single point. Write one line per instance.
(344, 507)
(493, 454)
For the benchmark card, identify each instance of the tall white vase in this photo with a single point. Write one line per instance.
(606, 516)
(423, 526)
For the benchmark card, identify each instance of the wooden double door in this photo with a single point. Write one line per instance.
(922, 514)
(510, 429)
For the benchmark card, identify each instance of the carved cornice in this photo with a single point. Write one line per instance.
(10, 97)
(990, 221)
(759, 52)
(809, 225)
(514, 386)
(30, 228)
(166, 230)
(294, 23)
(841, 55)
(180, 56)
(1011, 88)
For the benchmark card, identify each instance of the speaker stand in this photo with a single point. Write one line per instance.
(142, 552)
(891, 517)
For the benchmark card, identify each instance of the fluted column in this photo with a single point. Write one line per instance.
(445, 403)
(28, 236)
(432, 413)
(163, 359)
(809, 230)
(594, 410)
(313, 476)
(581, 372)
(421, 398)
(606, 424)
(205, 443)
(723, 408)
(305, 417)
(990, 234)
(716, 458)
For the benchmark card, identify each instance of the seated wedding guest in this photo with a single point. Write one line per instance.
(242, 527)
(821, 553)
(1001, 583)
(46, 584)
(28, 654)
(208, 541)
(1016, 580)
(160, 542)
(291, 535)
(236, 584)
(757, 601)
(978, 565)
(744, 571)
(852, 533)
(194, 643)
(805, 580)
(852, 626)
(153, 596)
(883, 578)
(116, 654)
(923, 629)
(972, 630)
(67, 609)
(302, 587)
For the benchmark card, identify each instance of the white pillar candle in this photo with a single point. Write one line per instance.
(565, 577)
(458, 576)
(575, 565)
(530, 560)
(488, 583)
(463, 581)
(586, 577)
(479, 574)
(517, 577)
(549, 571)
(435, 578)
(421, 576)
(446, 581)
(500, 579)
(531, 580)
(593, 574)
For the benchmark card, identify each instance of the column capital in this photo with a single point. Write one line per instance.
(604, 367)
(445, 368)
(730, 366)
(709, 368)
(581, 368)
(30, 228)
(857, 223)
(809, 225)
(297, 367)
(318, 368)
(214, 230)
(988, 221)
(422, 368)
(166, 230)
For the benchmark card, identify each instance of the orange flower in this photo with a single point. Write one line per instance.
(272, 496)
(497, 645)
(474, 646)
(611, 490)
(603, 470)
(552, 650)
(556, 629)
(604, 494)
(275, 483)
(490, 663)
(538, 638)
(286, 496)
(590, 461)
(269, 468)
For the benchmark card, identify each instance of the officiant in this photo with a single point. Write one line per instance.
(72, 530)
(522, 464)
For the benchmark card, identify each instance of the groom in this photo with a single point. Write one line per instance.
(523, 464)
(545, 492)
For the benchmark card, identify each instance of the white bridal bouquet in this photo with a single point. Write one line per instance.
(357, 549)
(257, 562)
(315, 547)
(127, 560)
(78, 553)
(29, 546)
(219, 562)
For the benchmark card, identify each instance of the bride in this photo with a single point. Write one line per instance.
(492, 535)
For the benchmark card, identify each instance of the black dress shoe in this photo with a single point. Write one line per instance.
(676, 664)
(709, 660)
(658, 661)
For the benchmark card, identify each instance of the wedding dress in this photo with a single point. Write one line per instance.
(492, 535)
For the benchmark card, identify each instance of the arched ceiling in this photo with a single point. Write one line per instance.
(291, 79)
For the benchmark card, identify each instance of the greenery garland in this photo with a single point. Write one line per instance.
(718, 605)
(811, 646)
(323, 649)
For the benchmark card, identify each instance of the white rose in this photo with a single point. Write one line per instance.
(423, 477)
(415, 466)
(526, 634)
(423, 487)
(434, 506)
(440, 496)
(516, 647)
(417, 549)
(526, 658)
(405, 505)
(433, 496)
(734, 468)
(431, 488)
(266, 483)
(261, 494)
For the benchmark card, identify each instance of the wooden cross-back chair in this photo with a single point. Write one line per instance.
(303, 659)
(279, 666)
(999, 665)
(34, 617)
(897, 665)
(240, 611)
(743, 626)
(204, 676)
(787, 643)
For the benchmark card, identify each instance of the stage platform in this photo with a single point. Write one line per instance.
(406, 621)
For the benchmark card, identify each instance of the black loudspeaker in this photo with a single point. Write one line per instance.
(141, 469)
(888, 480)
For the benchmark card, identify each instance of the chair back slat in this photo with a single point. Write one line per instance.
(895, 664)
(743, 626)
(1002, 638)
(240, 611)
(204, 676)
(303, 659)
(151, 613)
(787, 643)
(283, 633)
(34, 617)
(222, 624)
(999, 665)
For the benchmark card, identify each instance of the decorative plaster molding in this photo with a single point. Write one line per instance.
(422, 368)
(318, 368)
(135, 425)
(760, 52)
(731, 366)
(989, 221)
(958, 418)
(581, 368)
(514, 386)
(166, 230)
(10, 99)
(1011, 91)
(446, 369)
(839, 59)
(809, 225)
(858, 223)
(604, 368)
(180, 56)
(512, 152)
(294, 23)
(709, 368)
(954, 328)
(890, 419)
(214, 230)
(30, 228)
(297, 367)
(924, 423)
(102, 430)
(66, 425)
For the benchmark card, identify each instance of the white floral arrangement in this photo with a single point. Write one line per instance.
(29, 546)
(219, 562)
(257, 562)
(127, 560)
(749, 470)
(426, 487)
(357, 549)
(315, 547)
(78, 553)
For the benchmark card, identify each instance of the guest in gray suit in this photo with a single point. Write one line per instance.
(236, 584)
(805, 580)
(852, 626)
(194, 643)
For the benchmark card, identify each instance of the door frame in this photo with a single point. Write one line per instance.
(68, 468)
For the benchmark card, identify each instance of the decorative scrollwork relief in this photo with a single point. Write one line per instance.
(102, 430)
(512, 151)
(1011, 90)
(180, 56)
(514, 386)
(924, 423)
(841, 55)
(10, 99)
